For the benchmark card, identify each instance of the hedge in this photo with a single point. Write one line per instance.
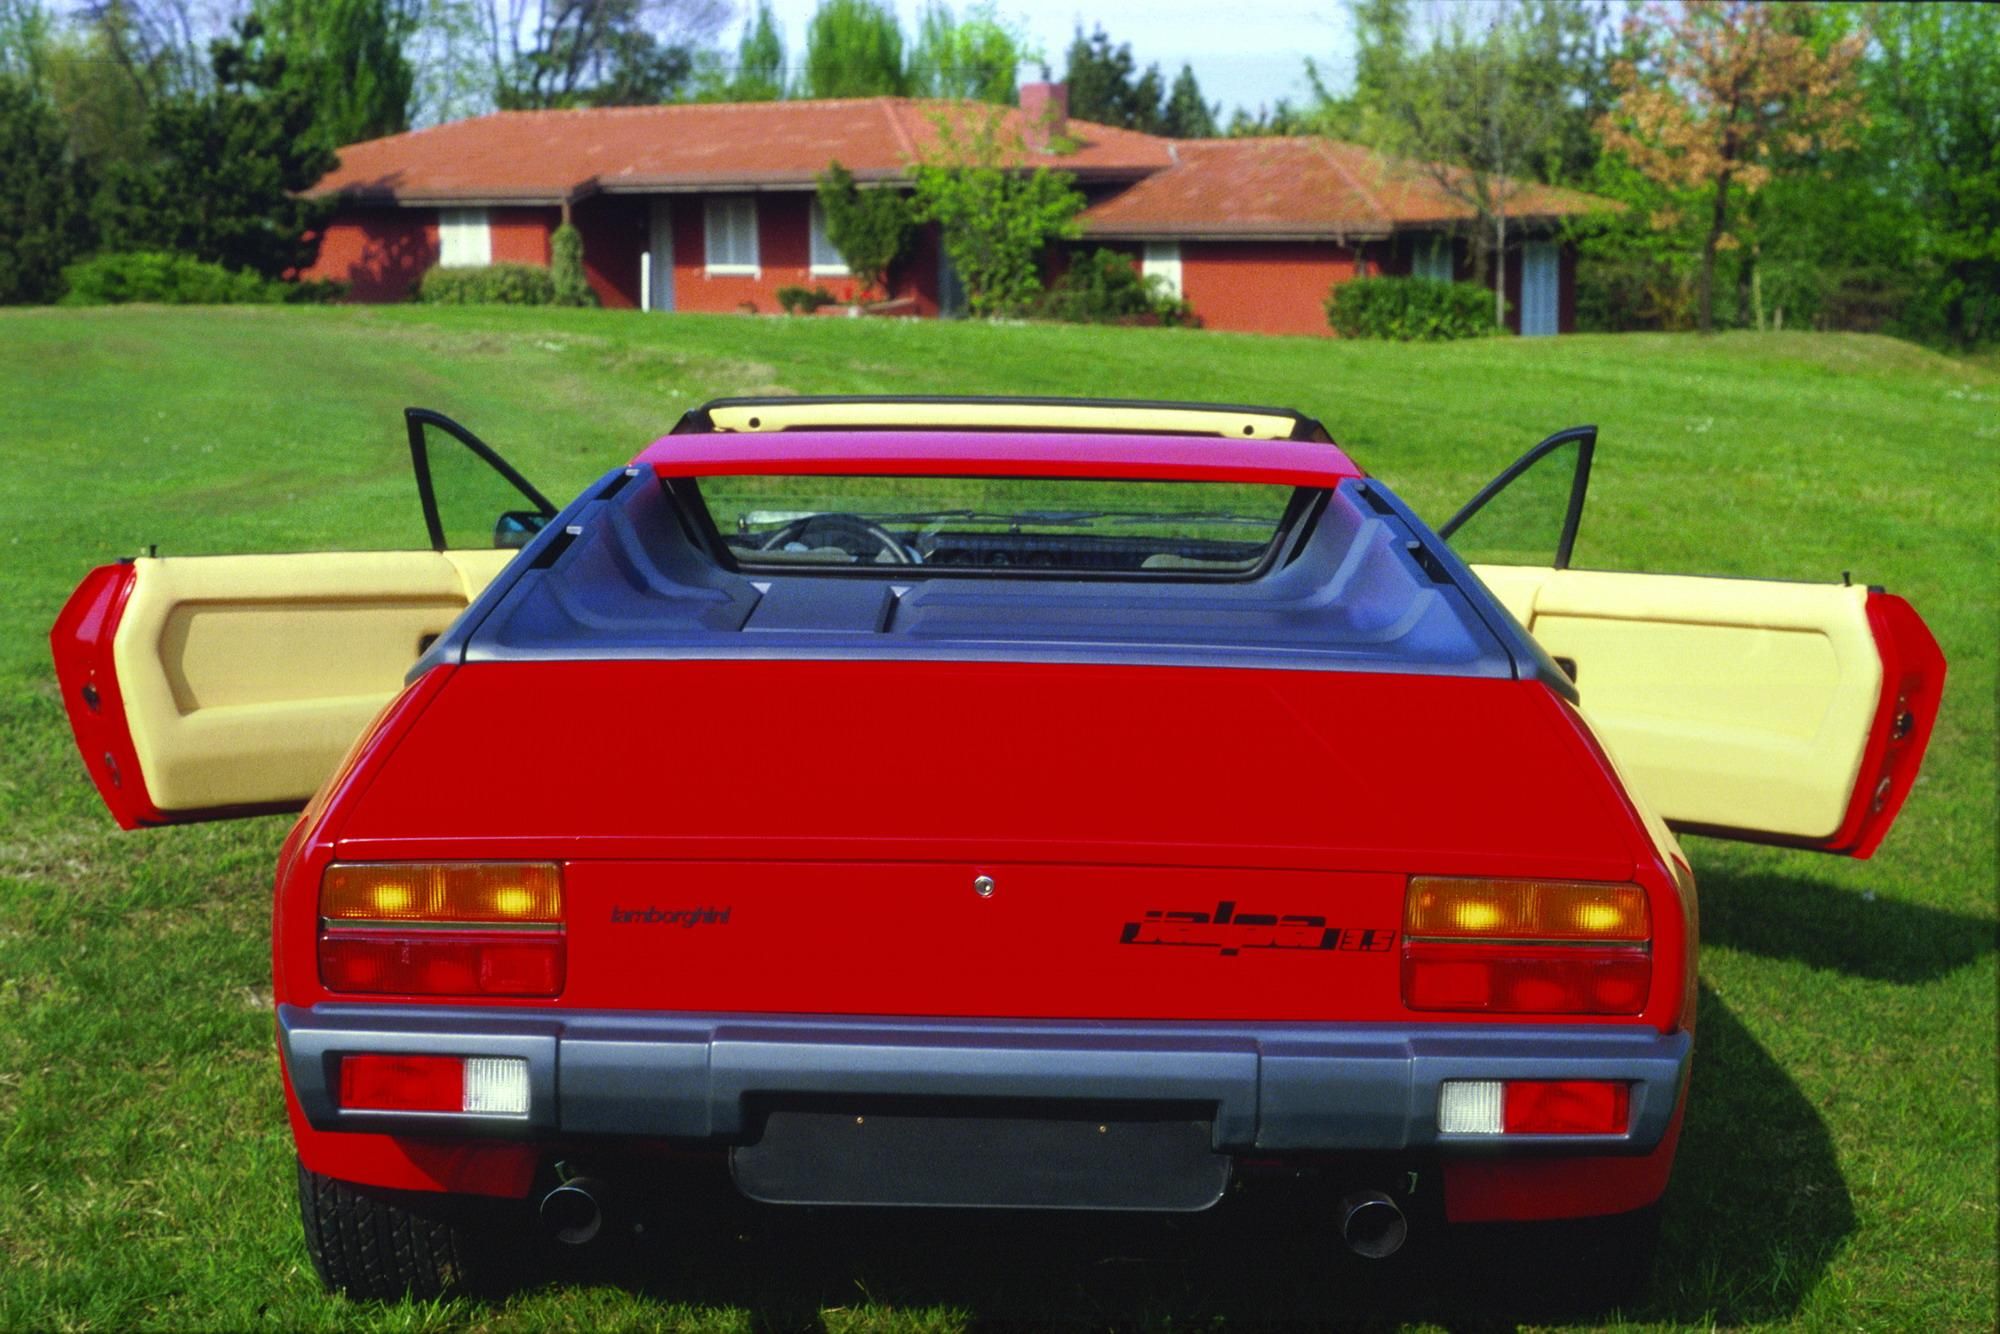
(164, 277)
(488, 285)
(1410, 309)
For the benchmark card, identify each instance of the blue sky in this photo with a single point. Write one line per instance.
(1244, 54)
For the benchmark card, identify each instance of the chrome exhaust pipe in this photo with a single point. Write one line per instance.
(574, 1211)
(1372, 1226)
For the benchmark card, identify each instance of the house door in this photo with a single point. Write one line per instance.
(660, 248)
(951, 291)
(1541, 279)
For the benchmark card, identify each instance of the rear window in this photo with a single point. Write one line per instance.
(963, 524)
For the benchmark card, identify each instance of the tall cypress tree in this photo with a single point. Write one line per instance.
(1188, 114)
(854, 48)
(348, 56)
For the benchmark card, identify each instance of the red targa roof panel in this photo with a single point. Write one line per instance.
(1180, 458)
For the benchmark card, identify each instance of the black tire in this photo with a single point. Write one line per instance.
(379, 1245)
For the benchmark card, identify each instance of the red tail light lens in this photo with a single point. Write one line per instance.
(442, 928)
(1526, 946)
(1565, 1107)
(1525, 979)
(402, 1083)
(437, 963)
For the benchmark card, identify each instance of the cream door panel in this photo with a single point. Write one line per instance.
(1733, 703)
(245, 678)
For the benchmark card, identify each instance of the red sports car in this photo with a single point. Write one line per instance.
(998, 803)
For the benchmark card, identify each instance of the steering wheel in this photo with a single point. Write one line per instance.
(867, 543)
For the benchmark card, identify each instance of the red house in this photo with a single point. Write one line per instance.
(711, 207)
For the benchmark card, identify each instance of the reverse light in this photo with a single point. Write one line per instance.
(486, 1085)
(1526, 946)
(442, 928)
(1534, 1107)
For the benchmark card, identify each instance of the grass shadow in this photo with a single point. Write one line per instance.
(1780, 916)
(1757, 1211)
(1758, 1208)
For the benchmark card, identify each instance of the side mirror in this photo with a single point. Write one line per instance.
(515, 527)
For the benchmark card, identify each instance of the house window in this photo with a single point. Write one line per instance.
(1163, 260)
(730, 228)
(465, 240)
(826, 261)
(1433, 259)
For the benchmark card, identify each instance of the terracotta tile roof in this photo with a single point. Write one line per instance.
(548, 156)
(1296, 187)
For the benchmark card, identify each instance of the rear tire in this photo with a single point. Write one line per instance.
(380, 1245)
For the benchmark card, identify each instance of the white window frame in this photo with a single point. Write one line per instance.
(1162, 259)
(465, 238)
(724, 216)
(1436, 259)
(819, 244)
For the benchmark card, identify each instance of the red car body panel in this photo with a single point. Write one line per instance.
(1912, 688)
(858, 902)
(80, 642)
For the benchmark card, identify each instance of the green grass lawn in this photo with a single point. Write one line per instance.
(1838, 1166)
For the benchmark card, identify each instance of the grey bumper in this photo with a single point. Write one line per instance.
(1275, 1086)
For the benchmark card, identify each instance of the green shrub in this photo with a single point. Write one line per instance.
(1103, 287)
(566, 276)
(1410, 309)
(165, 277)
(488, 285)
(870, 228)
(804, 300)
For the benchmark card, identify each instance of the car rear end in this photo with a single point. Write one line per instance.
(709, 832)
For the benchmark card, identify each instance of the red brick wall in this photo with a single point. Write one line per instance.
(521, 235)
(784, 256)
(379, 252)
(1263, 286)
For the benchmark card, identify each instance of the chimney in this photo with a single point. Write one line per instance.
(1044, 114)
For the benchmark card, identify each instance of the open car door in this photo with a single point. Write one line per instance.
(1764, 710)
(204, 687)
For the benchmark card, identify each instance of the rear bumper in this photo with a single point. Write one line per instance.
(1277, 1087)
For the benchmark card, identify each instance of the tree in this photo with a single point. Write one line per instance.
(43, 197)
(1281, 117)
(1457, 110)
(1729, 96)
(1105, 85)
(1934, 145)
(349, 56)
(996, 218)
(157, 44)
(563, 53)
(870, 228)
(1188, 115)
(976, 57)
(226, 169)
(26, 30)
(854, 48)
(760, 61)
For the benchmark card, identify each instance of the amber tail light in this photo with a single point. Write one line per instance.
(442, 928)
(1526, 946)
